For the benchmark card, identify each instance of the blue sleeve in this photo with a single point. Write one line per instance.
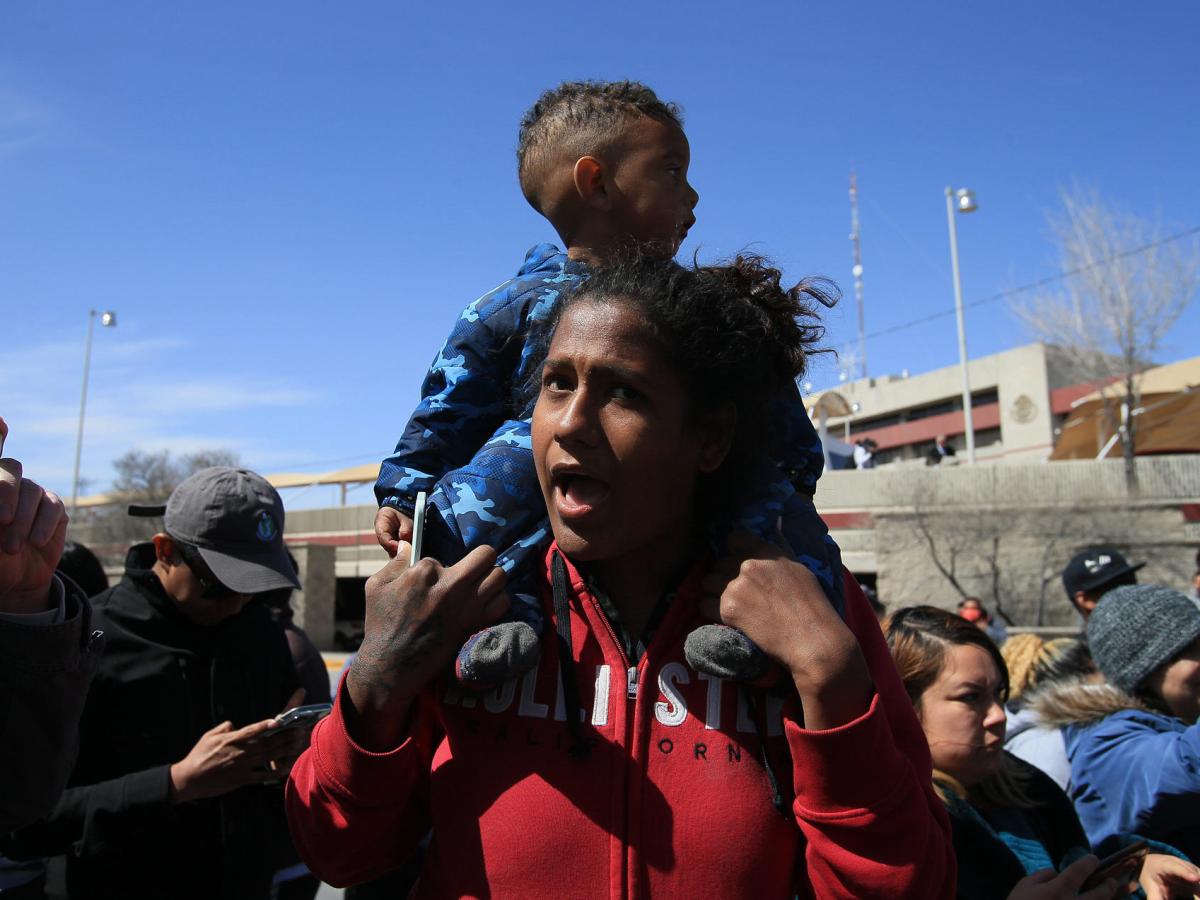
(1144, 777)
(795, 446)
(464, 398)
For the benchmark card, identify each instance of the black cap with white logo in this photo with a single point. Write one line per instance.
(1094, 568)
(234, 518)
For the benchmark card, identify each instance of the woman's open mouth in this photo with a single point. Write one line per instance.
(576, 495)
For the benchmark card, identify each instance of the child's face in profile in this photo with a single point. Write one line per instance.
(652, 199)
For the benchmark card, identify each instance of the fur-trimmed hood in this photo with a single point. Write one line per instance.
(1078, 702)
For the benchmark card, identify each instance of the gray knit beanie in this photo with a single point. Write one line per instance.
(1137, 628)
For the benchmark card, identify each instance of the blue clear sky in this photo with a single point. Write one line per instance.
(288, 202)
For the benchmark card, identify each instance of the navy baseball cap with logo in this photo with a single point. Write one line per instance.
(1094, 568)
(234, 518)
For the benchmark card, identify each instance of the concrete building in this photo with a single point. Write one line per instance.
(1018, 398)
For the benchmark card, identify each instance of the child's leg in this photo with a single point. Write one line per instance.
(788, 519)
(496, 500)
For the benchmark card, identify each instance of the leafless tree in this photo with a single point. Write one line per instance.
(1126, 290)
(968, 545)
(150, 477)
(1013, 558)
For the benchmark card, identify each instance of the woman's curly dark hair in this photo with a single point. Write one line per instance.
(734, 334)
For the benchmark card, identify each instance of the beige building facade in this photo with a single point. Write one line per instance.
(1018, 397)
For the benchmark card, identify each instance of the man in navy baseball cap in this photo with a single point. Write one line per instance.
(1094, 572)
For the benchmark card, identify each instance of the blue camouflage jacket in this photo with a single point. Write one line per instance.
(467, 393)
(468, 390)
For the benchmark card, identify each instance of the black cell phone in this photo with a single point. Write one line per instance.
(302, 715)
(1126, 862)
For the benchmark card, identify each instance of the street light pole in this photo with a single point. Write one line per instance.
(108, 319)
(966, 203)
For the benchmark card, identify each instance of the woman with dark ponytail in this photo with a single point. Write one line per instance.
(615, 769)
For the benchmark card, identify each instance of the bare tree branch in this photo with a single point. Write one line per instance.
(1112, 315)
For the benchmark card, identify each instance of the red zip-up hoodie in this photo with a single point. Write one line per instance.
(672, 800)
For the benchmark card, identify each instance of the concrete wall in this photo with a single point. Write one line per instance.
(1009, 530)
(1014, 560)
(314, 604)
(1172, 479)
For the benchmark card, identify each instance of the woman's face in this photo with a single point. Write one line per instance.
(962, 713)
(616, 452)
(1178, 684)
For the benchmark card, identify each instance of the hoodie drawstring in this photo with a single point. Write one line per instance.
(566, 659)
(777, 800)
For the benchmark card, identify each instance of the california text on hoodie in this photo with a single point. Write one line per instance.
(672, 800)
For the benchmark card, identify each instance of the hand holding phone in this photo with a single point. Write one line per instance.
(302, 715)
(1126, 864)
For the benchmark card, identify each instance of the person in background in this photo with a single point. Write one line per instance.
(293, 881)
(864, 453)
(1039, 672)
(939, 452)
(973, 610)
(1135, 750)
(1016, 835)
(81, 565)
(307, 659)
(1092, 573)
(49, 649)
(176, 792)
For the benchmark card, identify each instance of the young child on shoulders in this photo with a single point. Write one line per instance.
(606, 163)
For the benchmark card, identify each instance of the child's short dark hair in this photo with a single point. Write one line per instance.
(584, 117)
(733, 332)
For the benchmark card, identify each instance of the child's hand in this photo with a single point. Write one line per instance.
(392, 527)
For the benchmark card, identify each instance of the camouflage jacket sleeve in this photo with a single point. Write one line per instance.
(795, 446)
(467, 392)
(463, 399)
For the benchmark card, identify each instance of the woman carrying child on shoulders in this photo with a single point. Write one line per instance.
(614, 769)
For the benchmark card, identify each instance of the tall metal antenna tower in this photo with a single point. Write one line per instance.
(858, 273)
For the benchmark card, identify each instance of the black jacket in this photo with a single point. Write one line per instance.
(987, 867)
(44, 675)
(162, 682)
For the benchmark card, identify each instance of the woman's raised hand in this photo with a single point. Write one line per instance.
(416, 619)
(778, 604)
(1164, 877)
(33, 526)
